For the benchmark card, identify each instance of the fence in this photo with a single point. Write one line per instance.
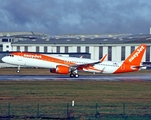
(68, 111)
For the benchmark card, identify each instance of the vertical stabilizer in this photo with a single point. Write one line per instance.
(136, 57)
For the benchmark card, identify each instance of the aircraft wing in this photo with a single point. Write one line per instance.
(81, 66)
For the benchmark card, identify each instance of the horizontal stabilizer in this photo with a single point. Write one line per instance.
(139, 67)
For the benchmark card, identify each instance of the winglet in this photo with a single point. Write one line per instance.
(103, 58)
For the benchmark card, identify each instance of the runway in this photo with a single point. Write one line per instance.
(134, 77)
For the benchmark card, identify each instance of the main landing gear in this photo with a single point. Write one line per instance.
(74, 74)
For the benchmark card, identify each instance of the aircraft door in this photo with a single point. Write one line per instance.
(19, 57)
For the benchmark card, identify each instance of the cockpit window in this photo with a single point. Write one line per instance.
(10, 55)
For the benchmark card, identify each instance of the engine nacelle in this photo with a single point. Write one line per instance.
(60, 69)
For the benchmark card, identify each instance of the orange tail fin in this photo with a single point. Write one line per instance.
(136, 57)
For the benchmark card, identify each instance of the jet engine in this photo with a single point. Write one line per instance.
(60, 69)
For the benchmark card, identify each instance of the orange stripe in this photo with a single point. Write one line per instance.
(43, 57)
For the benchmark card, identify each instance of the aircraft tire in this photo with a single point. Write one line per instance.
(17, 71)
(71, 75)
(76, 75)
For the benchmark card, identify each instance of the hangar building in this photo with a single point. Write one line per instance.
(117, 46)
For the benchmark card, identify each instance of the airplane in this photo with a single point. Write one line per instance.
(71, 65)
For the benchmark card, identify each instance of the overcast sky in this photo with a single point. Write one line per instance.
(76, 16)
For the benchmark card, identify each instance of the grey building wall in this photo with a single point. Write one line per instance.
(116, 52)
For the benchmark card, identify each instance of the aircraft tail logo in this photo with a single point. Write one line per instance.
(136, 56)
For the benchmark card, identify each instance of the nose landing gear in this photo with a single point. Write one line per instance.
(18, 69)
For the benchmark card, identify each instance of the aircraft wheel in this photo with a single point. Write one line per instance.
(71, 75)
(76, 75)
(17, 71)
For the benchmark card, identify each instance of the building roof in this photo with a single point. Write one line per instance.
(28, 35)
(106, 39)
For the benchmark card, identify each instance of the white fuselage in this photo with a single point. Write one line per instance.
(104, 67)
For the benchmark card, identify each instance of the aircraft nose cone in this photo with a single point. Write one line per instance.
(4, 59)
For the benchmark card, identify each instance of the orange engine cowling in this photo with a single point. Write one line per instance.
(60, 69)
